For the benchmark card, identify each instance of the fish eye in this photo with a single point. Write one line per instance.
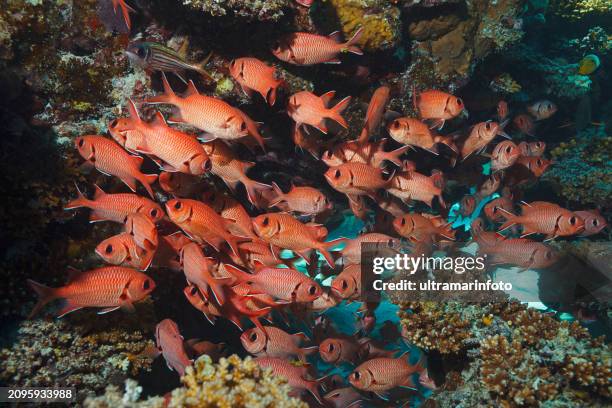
(109, 249)
(312, 290)
(595, 222)
(344, 284)
(178, 205)
(572, 220)
(114, 123)
(459, 101)
(193, 291)
(538, 145)
(243, 126)
(337, 174)
(154, 212)
(539, 162)
(494, 209)
(146, 285)
(331, 347)
(356, 375)
(81, 142)
(403, 221)
(141, 52)
(508, 149)
(266, 222)
(253, 336)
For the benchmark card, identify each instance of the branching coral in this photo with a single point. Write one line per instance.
(84, 351)
(577, 9)
(232, 383)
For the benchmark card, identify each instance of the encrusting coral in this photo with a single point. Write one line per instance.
(578, 9)
(232, 382)
(263, 10)
(522, 357)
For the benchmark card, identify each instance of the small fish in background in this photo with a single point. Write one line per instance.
(345, 397)
(305, 108)
(542, 110)
(369, 348)
(588, 64)
(108, 288)
(480, 136)
(521, 252)
(409, 185)
(143, 230)
(414, 132)
(536, 165)
(170, 344)
(437, 106)
(492, 208)
(374, 114)
(504, 155)
(502, 110)
(275, 342)
(365, 323)
(305, 3)
(347, 284)
(490, 185)
(386, 245)
(594, 222)
(524, 123)
(230, 209)
(357, 178)
(197, 347)
(533, 149)
(199, 271)
(310, 49)
(254, 75)
(152, 57)
(180, 184)
(109, 158)
(423, 228)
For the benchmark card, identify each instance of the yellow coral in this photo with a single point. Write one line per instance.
(380, 30)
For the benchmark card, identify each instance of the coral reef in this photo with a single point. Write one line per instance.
(263, 10)
(581, 171)
(579, 9)
(84, 351)
(596, 40)
(380, 21)
(522, 357)
(232, 382)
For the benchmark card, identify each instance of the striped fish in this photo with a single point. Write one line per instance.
(157, 57)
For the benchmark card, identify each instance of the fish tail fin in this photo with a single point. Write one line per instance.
(335, 113)
(167, 97)
(394, 155)
(233, 242)
(324, 249)
(313, 387)
(80, 201)
(45, 295)
(350, 44)
(199, 67)
(147, 180)
(280, 196)
(240, 275)
(254, 189)
(510, 219)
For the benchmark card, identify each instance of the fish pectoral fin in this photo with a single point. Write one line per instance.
(382, 395)
(206, 137)
(108, 309)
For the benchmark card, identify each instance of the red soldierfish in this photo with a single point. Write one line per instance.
(296, 376)
(285, 284)
(594, 222)
(411, 185)
(284, 231)
(534, 149)
(540, 217)
(374, 114)
(302, 199)
(170, 343)
(521, 252)
(481, 134)
(254, 75)
(305, 108)
(212, 115)
(413, 132)
(504, 155)
(423, 227)
(347, 285)
(339, 350)
(275, 343)
(310, 49)
(109, 287)
(437, 106)
(109, 158)
(116, 207)
(122, 250)
(198, 270)
(173, 150)
(524, 123)
(541, 110)
(201, 223)
(381, 374)
(357, 178)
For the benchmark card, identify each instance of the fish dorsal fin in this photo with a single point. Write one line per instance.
(336, 37)
(191, 89)
(183, 50)
(72, 273)
(159, 119)
(327, 97)
(99, 192)
(137, 160)
(133, 111)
